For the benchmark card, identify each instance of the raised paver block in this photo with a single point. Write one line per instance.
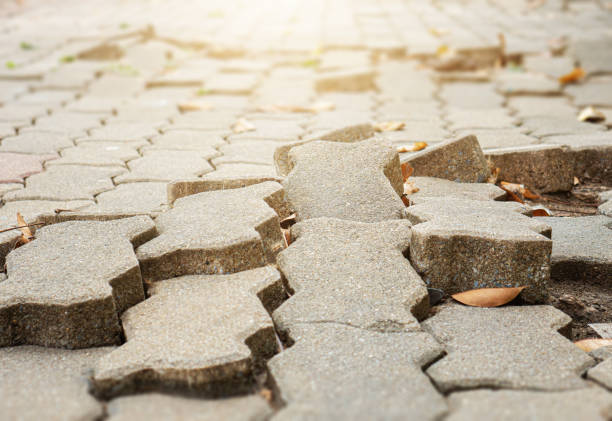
(459, 160)
(167, 166)
(438, 187)
(155, 406)
(36, 143)
(15, 167)
(543, 168)
(356, 181)
(592, 153)
(221, 231)
(56, 381)
(351, 273)
(353, 80)
(340, 372)
(197, 333)
(582, 248)
(462, 244)
(591, 404)
(346, 134)
(602, 374)
(85, 276)
(506, 347)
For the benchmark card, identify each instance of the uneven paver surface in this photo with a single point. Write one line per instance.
(244, 210)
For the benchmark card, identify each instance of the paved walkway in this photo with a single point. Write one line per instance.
(160, 144)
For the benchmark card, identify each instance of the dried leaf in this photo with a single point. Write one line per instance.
(266, 394)
(194, 106)
(243, 125)
(442, 50)
(407, 170)
(438, 32)
(26, 232)
(541, 211)
(288, 221)
(588, 345)
(512, 195)
(520, 190)
(410, 188)
(488, 297)
(591, 115)
(317, 107)
(417, 146)
(287, 236)
(405, 200)
(389, 126)
(576, 181)
(494, 176)
(572, 77)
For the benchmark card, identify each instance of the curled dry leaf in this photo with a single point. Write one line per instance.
(494, 175)
(518, 191)
(286, 236)
(405, 200)
(389, 126)
(572, 77)
(438, 32)
(576, 181)
(541, 211)
(488, 297)
(417, 146)
(591, 115)
(407, 171)
(26, 232)
(194, 106)
(243, 125)
(317, 107)
(410, 188)
(588, 345)
(288, 221)
(266, 394)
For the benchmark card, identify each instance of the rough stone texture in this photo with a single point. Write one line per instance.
(339, 372)
(505, 347)
(592, 153)
(353, 80)
(602, 374)
(55, 381)
(438, 187)
(216, 232)
(333, 262)
(158, 407)
(360, 182)
(461, 244)
(458, 160)
(15, 167)
(582, 248)
(543, 168)
(72, 296)
(167, 166)
(590, 404)
(217, 330)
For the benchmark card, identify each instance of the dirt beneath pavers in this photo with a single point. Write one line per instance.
(582, 200)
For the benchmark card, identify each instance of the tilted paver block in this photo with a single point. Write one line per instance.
(351, 273)
(167, 166)
(15, 167)
(217, 328)
(462, 244)
(339, 372)
(590, 404)
(581, 248)
(590, 152)
(459, 160)
(84, 276)
(506, 347)
(356, 181)
(221, 231)
(438, 187)
(158, 407)
(56, 381)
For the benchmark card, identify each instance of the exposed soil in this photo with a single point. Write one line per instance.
(583, 200)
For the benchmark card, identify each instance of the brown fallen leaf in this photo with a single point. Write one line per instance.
(389, 126)
(519, 190)
(26, 232)
(488, 297)
(572, 77)
(286, 236)
(407, 170)
(266, 394)
(591, 115)
(512, 195)
(576, 181)
(194, 106)
(588, 345)
(494, 175)
(417, 146)
(405, 200)
(540, 211)
(410, 188)
(243, 125)
(288, 221)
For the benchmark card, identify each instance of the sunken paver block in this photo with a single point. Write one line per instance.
(459, 160)
(544, 168)
(354, 80)
(66, 182)
(155, 406)
(438, 187)
(218, 329)
(56, 381)
(582, 248)
(346, 134)
(15, 167)
(221, 231)
(505, 347)
(167, 166)
(36, 143)
(602, 374)
(340, 372)
(135, 198)
(359, 181)
(351, 273)
(73, 296)
(461, 244)
(590, 404)
(229, 176)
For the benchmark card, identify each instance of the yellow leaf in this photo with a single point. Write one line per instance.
(488, 297)
(572, 77)
(389, 126)
(417, 146)
(194, 106)
(26, 233)
(438, 32)
(540, 211)
(588, 345)
(443, 49)
(410, 188)
(243, 125)
(407, 171)
(591, 115)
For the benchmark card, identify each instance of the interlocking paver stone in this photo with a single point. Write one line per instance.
(514, 83)
(592, 94)
(36, 143)
(551, 126)
(120, 132)
(340, 372)
(353, 80)
(506, 347)
(351, 273)
(187, 140)
(99, 154)
(72, 296)
(499, 138)
(357, 181)
(531, 106)
(157, 165)
(217, 329)
(131, 198)
(221, 231)
(602, 373)
(606, 203)
(15, 167)
(56, 381)
(438, 187)
(247, 152)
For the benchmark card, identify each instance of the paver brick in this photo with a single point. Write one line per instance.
(73, 296)
(260, 152)
(438, 187)
(159, 165)
(592, 94)
(505, 347)
(514, 83)
(187, 140)
(221, 231)
(217, 330)
(495, 118)
(232, 83)
(99, 154)
(555, 126)
(204, 120)
(15, 167)
(471, 95)
(130, 198)
(123, 132)
(353, 80)
(36, 143)
(499, 138)
(533, 106)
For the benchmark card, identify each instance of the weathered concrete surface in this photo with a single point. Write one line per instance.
(221, 231)
(351, 273)
(430, 187)
(360, 181)
(68, 287)
(55, 381)
(334, 371)
(195, 333)
(506, 347)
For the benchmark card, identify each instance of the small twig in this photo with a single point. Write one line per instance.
(21, 226)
